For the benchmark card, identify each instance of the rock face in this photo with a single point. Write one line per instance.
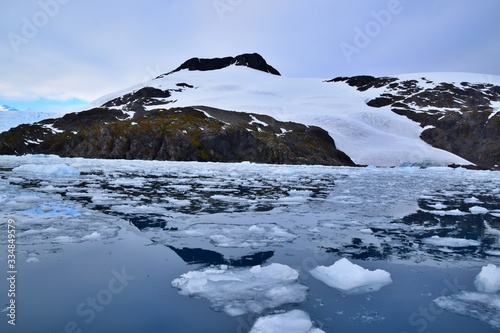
(459, 118)
(251, 60)
(181, 134)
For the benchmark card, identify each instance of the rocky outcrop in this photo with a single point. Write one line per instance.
(251, 60)
(180, 134)
(459, 118)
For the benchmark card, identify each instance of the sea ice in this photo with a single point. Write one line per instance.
(56, 170)
(450, 241)
(482, 306)
(351, 278)
(488, 280)
(295, 321)
(237, 291)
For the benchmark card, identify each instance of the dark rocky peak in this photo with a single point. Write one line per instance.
(251, 60)
(365, 82)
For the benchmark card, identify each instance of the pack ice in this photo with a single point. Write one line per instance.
(351, 278)
(237, 291)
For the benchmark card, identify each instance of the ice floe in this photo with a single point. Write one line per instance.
(478, 210)
(237, 291)
(295, 321)
(351, 278)
(482, 306)
(450, 241)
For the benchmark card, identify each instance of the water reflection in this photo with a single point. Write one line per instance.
(208, 257)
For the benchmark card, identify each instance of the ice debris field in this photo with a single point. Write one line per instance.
(236, 227)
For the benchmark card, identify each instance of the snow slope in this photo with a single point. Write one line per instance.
(375, 136)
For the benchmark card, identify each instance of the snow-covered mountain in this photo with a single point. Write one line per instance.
(423, 118)
(12, 117)
(369, 133)
(6, 108)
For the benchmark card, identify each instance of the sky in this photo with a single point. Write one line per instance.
(62, 54)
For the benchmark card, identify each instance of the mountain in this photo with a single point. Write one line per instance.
(457, 115)
(6, 108)
(383, 121)
(11, 117)
(411, 119)
(180, 134)
(253, 60)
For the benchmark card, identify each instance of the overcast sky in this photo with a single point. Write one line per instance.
(63, 53)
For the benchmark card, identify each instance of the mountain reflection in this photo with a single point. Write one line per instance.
(208, 257)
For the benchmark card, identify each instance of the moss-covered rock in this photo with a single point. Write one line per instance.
(180, 134)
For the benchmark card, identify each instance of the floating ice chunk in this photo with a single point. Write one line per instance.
(478, 210)
(472, 200)
(57, 170)
(482, 306)
(351, 278)
(238, 291)
(95, 235)
(64, 239)
(493, 252)
(295, 321)
(366, 231)
(488, 280)
(453, 212)
(32, 260)
(179, 202)
(450, 241)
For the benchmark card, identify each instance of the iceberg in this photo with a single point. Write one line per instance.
(351, 278)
